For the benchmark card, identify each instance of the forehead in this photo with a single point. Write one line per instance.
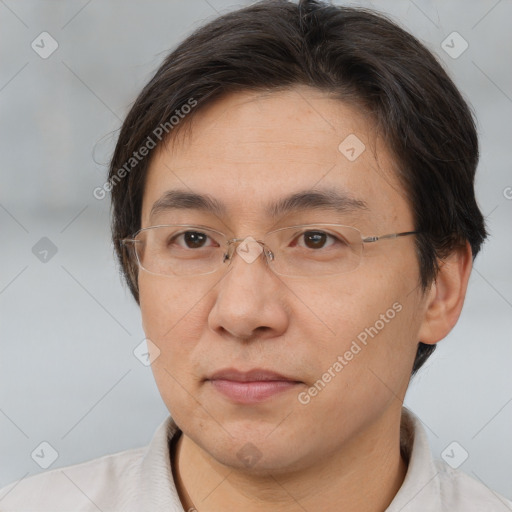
(249, 150)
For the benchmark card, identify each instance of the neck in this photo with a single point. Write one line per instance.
(364, 475)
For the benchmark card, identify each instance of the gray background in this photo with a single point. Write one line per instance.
(68, 375)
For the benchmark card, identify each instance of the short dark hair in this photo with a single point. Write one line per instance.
(361, 57)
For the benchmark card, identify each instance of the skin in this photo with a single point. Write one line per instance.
(341, 450)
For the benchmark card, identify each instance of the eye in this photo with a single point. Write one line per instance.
(318, 239)
(192, 239)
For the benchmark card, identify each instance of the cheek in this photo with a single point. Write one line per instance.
(170, 320)
(170, 317)
(169, 307)
(362, 369)
(370, 339)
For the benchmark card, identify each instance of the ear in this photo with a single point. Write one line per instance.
(446, 295)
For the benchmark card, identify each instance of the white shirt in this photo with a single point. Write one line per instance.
(140, 480)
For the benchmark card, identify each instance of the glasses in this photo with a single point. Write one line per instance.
(295, 251)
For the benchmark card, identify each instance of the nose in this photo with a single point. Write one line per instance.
(250, 298)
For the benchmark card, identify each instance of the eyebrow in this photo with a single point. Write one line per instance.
(323, 199)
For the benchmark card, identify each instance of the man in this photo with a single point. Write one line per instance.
(294, 211)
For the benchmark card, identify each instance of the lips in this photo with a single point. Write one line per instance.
(249, 376)
(252, 386)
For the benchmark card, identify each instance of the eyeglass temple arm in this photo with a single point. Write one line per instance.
(125, 241)
(369, 239)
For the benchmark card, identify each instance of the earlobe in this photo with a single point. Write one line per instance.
(445, 298)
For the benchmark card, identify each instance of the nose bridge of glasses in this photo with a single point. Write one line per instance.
(248, 248)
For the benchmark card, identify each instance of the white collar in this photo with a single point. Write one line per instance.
(429, 486)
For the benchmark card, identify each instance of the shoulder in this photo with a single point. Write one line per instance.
(461, 492)
(432, 485)
(103, 484)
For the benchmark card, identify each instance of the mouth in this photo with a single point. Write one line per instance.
(250, 387)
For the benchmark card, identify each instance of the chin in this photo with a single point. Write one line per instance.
(255, 447)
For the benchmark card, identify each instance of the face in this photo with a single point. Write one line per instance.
(343, 345)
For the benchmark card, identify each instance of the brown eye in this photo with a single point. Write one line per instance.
(193, 239)
(190, 240)
(315, 239)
